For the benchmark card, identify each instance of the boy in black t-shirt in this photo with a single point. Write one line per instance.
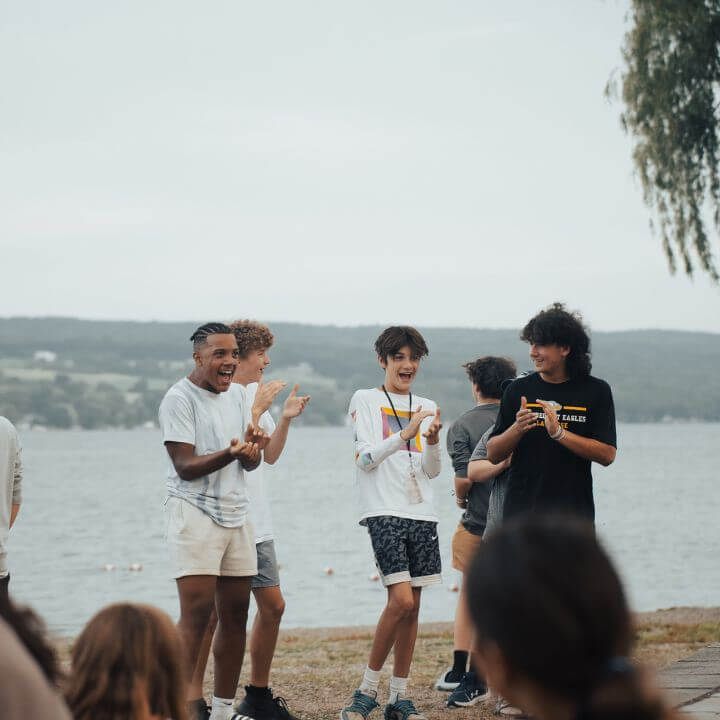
(555, 422)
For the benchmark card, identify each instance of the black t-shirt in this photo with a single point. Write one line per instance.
(544, 475)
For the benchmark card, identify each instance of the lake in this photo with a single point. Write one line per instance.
(93, 499)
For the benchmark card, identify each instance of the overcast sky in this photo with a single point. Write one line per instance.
(439, 163)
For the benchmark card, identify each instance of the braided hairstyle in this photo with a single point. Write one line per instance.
(200, 336)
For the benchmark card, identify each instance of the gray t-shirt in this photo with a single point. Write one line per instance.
(10, 484)
(462, 438)
(208, 421)
(498, 486)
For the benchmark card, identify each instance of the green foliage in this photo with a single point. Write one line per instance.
(670, 88)
(654, 374)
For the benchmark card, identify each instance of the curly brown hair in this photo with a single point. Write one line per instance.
(251, 335)
(127, 660)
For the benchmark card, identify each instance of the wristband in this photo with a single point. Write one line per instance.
(559, 434)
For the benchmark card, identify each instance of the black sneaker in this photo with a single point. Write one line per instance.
(198, 710)
(262, 707)
(470, 691)
(449, 680)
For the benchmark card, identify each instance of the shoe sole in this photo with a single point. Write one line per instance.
(471, 702)
(446, 686)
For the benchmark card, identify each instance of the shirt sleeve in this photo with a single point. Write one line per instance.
(509, 406)
(267, 423)
(177, 419)
(480, 451)
(430, 463)
(368, 452)
(458, 447)
(17, 477)
(603, 423)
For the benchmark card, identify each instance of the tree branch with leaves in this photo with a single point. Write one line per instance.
(670, 92)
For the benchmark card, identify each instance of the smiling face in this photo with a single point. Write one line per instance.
(549, 361)
(400, 370)
(215, 362)
(250, 369)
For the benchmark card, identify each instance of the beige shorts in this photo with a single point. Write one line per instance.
(199, 546)
(464, 544)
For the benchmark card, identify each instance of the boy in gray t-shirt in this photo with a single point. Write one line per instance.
(481, 470)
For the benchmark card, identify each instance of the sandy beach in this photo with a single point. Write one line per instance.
(315, 670)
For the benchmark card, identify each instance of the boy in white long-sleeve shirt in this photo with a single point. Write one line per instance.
(396, 456)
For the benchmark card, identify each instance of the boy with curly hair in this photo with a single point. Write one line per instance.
(555, 422)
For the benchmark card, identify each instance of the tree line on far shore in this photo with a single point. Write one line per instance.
(59, 372)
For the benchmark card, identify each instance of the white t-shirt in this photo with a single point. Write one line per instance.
(382, 465)
(257, 492)
(208, 421)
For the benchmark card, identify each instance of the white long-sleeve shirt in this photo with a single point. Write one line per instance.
(382, 464)
(10, 484)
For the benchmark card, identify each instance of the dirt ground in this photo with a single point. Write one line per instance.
(317, 670)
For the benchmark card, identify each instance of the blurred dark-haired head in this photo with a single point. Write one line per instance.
(550, 614)
(557, 326)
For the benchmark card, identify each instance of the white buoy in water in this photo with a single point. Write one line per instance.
(107, 567)
(374, 577)
(453, 587)
(135, 567)
(329, 571)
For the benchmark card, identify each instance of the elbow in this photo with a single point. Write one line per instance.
(184, 472)
(492, 454)
(608, 457)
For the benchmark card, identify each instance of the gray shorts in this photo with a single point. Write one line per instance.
(268, 574)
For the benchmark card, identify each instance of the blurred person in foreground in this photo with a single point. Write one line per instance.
(554, 422)
(566, 653)
(29, 669)
(486, 375)
(128, 664)
(10, 492)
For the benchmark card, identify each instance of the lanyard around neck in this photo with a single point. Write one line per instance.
(407, 442)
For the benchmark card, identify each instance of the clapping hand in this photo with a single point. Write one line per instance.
(412, 428)
(255, 435)
(433, 432)
(248, 451)
(295, 404)
(552, 424)
(525, 419)
(264, 396)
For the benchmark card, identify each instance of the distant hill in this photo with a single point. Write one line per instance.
(63, 371)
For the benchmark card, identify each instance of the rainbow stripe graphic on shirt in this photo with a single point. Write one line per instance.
(390, 426)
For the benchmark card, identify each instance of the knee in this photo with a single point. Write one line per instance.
(198, 615)
(273, 611)
(402, 607)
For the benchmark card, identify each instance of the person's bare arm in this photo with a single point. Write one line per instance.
(501, 446)
(14, 510)
(587, 448)
(482, 471)
(294, 405)
(190, 466)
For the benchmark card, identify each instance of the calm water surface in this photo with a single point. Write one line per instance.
(95, 498)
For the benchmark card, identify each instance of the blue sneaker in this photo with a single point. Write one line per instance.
(361, 705)
(470, 691)
(402, 709)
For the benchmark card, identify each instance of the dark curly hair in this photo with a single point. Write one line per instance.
(557, 326)
(396, 337)
(251, 335)
(488, 374)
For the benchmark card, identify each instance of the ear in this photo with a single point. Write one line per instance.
(197, 357)
(564, 350)
(382, 361)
